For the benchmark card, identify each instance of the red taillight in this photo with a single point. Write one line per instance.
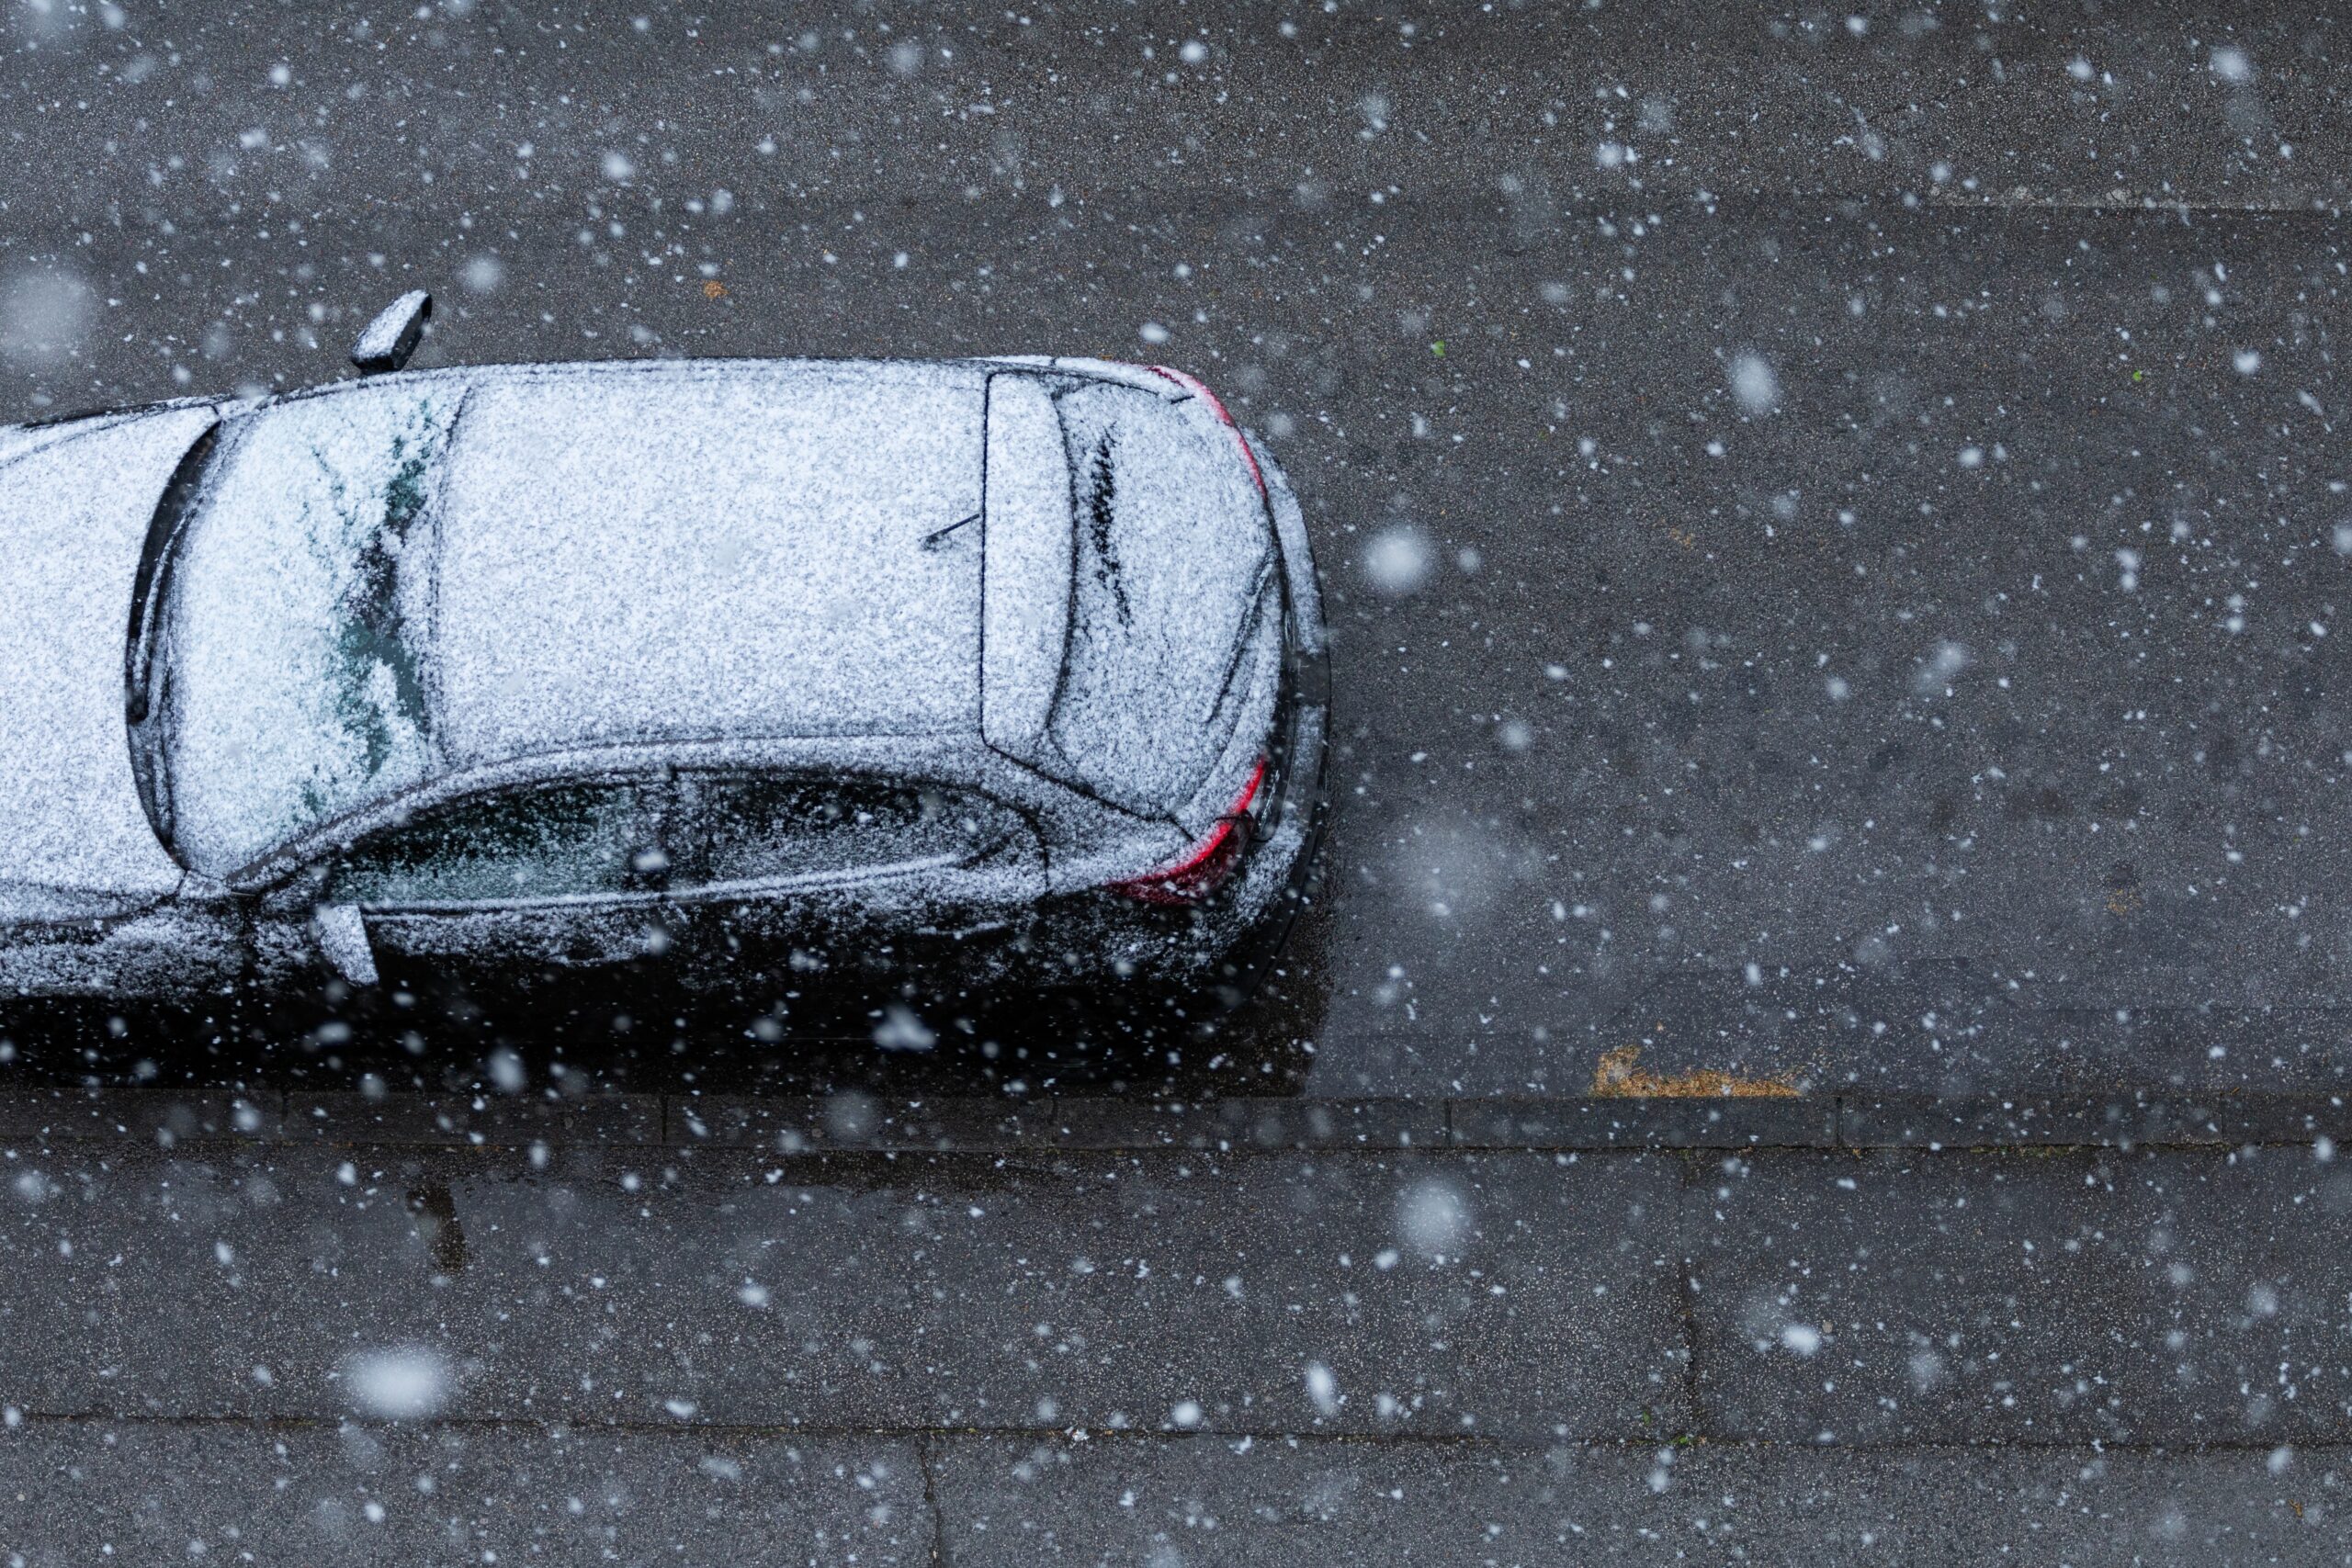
(1207, 864)
(1193, 385)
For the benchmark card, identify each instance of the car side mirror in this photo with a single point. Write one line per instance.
(393, 335)
(342, 933)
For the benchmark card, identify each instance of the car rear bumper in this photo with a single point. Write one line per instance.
(1086, 938)
(1275, 879)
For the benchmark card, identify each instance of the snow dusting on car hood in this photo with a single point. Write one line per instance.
(73, 513)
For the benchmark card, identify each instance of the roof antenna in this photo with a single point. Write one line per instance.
(393, 335)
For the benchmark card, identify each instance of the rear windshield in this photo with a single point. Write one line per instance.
(1171, 543)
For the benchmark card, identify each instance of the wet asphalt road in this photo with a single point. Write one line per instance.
(1834, 535)
(1955, 714)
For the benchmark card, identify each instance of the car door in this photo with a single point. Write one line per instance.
(783, 882)
(508, 891)
(117, 951)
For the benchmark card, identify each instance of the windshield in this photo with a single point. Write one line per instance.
(284, 678)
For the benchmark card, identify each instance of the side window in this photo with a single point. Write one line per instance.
(753, 828)
(561, 840)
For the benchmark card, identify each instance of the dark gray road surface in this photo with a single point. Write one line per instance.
(1836, 538)
(1664, 716)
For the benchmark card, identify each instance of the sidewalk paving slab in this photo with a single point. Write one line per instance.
(328, 1495)
(1011, 1503)
(142, 1115)
(1527, 1296)
(1083, 1123)
(358, 1117)
(2175, 1296)
(2035, 1296)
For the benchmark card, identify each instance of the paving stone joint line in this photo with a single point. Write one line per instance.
(1437, 1443)
(804, 1126)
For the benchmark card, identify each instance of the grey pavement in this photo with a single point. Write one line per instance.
(1195, 1501)
(144, 1492)
(2081, 1355)
(321, 1494)
(2039, 1297)
(883, 1293)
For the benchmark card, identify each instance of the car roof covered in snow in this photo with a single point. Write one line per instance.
(432, 572)
(688, 552)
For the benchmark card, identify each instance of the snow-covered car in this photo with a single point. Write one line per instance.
(980, 673)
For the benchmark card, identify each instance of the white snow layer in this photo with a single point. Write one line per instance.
(73, 516)
(298, 612)
(688, 553)
(386, 579)
(1171, 546)
(1026, 616)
